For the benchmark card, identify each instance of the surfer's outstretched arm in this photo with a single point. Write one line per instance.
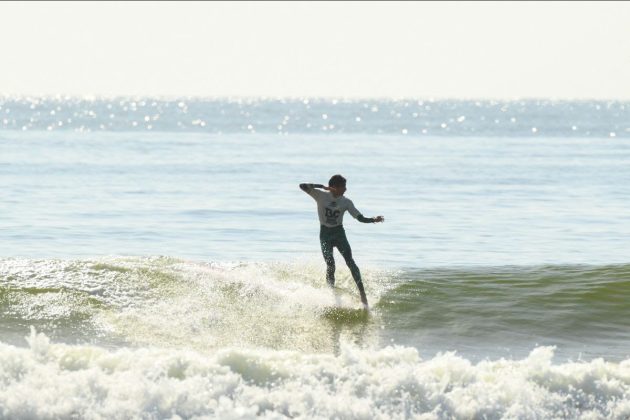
(377, 219)
(359, 216)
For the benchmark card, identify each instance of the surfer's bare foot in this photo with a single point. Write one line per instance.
(364, 301)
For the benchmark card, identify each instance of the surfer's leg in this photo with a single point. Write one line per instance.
(344, 248)
(327, 251)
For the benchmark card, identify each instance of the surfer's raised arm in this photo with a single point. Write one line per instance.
(308, 187)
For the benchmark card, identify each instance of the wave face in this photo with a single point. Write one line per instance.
(583, 309)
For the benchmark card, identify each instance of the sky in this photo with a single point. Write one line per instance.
(502, 50)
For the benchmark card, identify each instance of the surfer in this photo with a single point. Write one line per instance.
(331, 205)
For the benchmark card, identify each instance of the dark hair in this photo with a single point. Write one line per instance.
(337, 181)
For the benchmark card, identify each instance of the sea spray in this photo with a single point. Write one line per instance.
(160, 301)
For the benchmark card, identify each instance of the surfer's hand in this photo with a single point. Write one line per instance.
(379, 219)
(326, 188)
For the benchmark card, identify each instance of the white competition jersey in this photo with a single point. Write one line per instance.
(331, 209)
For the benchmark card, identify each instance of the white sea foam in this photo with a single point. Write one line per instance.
(46, 380)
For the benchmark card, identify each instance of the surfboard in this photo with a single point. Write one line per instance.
(347, 307)
(346, 315)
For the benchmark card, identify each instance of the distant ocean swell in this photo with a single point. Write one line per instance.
(414, 117)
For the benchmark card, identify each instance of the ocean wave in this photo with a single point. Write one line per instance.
(393, 382)
(572, 302)
(169, 302)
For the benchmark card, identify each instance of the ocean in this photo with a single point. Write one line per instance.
(159, 261)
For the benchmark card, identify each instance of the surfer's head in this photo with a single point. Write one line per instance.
(337, 184)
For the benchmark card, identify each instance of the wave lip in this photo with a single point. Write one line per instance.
(393, 382)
